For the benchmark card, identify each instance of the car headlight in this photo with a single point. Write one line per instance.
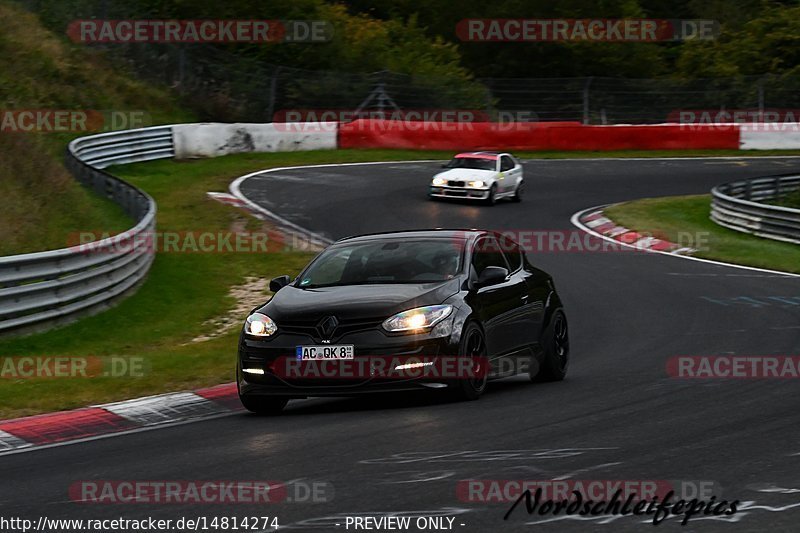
(439, 181)
(419, 319)
(260, 325)
(477, 184)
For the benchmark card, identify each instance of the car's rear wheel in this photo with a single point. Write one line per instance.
(555, 341)
(473, 346)
(518, 193)
(492, 198)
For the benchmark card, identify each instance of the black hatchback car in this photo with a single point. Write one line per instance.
(409, 310)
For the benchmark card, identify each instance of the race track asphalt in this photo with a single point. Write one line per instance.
(618, 416)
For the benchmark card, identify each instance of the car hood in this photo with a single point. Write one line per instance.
(356, 302)
(466, 174)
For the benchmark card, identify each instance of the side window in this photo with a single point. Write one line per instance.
(487, 253)
(512, 252)
(506, 163)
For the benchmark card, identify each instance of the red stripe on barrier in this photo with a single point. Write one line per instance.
(68, 425)
(368, 133)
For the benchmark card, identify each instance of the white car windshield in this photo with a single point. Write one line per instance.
(473, 163)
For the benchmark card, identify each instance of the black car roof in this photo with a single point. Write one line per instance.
(442, 233)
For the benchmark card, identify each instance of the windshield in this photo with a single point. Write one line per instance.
(418, 261)
(473, 163)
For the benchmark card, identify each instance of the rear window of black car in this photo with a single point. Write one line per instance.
(390, 261)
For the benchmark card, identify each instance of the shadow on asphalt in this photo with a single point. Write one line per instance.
(404, 400)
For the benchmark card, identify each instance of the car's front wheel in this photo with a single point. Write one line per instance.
(263, 405)
(473, 346)
(555, 341)
(492, 198)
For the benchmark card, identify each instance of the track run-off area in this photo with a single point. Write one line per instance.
(619, 415)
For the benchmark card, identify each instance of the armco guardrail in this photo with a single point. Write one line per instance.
(44, 289)
(740, 205)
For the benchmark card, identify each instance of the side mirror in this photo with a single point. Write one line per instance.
(492, 275)
(278, 283)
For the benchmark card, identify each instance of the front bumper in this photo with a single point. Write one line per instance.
(374, 354)
(446, 191)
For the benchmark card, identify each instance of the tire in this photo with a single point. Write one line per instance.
(473, 344)
(555, 341)
(491, 200)
(261, 405)
(519, 192)
(264, 405)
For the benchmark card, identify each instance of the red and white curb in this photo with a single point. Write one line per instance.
(229, 199)
(92, 422)
(599, 223)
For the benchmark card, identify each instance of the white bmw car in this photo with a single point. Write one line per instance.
(487, 176)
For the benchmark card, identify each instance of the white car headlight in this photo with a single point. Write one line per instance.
(477, 184)
(419, 319)
(439, 181)
(260, 325)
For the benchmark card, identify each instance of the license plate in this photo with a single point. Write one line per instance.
(324, 353)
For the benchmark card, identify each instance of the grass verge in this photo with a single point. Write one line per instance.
(672, 217)
(791, 199)
(40, 203)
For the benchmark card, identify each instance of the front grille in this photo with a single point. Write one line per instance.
(344, 327)
(454, 183)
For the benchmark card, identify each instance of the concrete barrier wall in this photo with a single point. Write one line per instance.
(779, 136)
(533, 136)
(216, 139)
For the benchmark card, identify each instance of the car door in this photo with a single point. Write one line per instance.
(498, 306)
(518, 170)
(507, 179)
(534, 292)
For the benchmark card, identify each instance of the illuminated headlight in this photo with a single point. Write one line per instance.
(259, 325)
(439, 181)
(417, 320)
(477, 184)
